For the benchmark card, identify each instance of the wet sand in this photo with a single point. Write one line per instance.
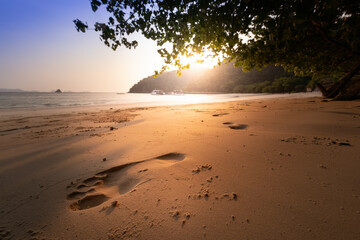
(251, 169)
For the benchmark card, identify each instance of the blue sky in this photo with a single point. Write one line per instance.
(41, 50)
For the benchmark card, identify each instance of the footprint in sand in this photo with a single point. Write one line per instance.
(121, 179)
(219, 114)
(236, 126)
(4, 233)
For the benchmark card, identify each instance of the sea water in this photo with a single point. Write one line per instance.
(53, 100)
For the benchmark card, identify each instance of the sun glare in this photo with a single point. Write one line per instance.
(198, 61)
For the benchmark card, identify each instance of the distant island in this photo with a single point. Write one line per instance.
(226, 79)
(11, 90)
(14, 90)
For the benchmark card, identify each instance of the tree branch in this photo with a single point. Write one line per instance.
(330, 40)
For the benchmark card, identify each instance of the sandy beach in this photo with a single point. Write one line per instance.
(250, 169)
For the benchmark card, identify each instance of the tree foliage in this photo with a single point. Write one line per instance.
(307, 37)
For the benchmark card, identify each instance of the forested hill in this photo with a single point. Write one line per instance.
(224, 78)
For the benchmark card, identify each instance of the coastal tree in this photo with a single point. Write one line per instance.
(314, 38)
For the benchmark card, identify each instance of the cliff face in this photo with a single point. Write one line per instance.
(224, 78)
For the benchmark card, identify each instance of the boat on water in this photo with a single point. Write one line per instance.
(161, 92)
(178, 92)
(157, 92)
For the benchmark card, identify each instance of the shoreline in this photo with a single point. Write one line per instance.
(32, 111)
(275, 168)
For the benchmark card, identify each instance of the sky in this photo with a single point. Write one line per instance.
(41, 50)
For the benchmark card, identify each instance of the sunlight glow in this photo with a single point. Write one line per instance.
(198, 61)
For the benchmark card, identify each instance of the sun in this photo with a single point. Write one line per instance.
(199, 61)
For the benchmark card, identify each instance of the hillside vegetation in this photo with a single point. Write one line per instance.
(226, 78)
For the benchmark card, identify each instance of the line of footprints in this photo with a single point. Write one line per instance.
(121, 179)
(231, 125)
